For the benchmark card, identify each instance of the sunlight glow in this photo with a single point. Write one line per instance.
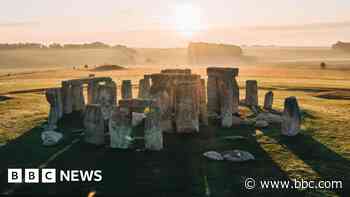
(188, 19)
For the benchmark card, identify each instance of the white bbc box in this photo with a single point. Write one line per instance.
(48, 175)
(31, 175)
(14, 175)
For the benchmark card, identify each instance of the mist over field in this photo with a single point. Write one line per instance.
(27, 59)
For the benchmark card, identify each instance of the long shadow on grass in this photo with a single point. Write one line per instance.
(178, 170)
(27, 151)
(228, 179)
(328, 164)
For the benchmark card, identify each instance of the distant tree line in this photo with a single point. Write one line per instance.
(201, 52)
(93, 45)
(343, 46)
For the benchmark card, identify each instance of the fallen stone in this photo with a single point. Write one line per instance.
(270, 118)
(213, 155)
(51, 138)
(261, 124)
(250, 122)
(237, 156)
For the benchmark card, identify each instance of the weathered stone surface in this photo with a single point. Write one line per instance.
(67, 97)
(153, 131)
(137, 118)
(107, 98)
(237, 156)
(235, 108)
(261, 124)
(291, 117)
(144, 88)
(251, 93)
(162, 100)
(177, 71)
(236, 120)
(135, 105)
(226, 100)
(268, 102)
(270, 118)
(120, 128)
(78, 103)
(203, 104)
(94, 125)
(54, 98)
(166, 88)
(213, 155)
(126, 89)
(216, 78)
(51, 138)
(213, 96)
(92, 92)
(186, 114)
(222, 72)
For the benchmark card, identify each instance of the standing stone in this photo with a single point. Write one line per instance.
(251, 98)
(163, 101)
(226, 100)
(291, 117)
(213, 97)
(92, 92)
(144, 88)
(107, 98)
(235, 109)
(186, 115)
(67, 97)
(78, 103)
(120, 128)
(54, 98)
(268, 102)
(94, 125)
(153, 131)
(216, 74)
(126, 89)
(203, 104)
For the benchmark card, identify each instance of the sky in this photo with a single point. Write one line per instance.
(173, 23)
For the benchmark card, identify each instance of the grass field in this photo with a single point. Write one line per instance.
(320, 152)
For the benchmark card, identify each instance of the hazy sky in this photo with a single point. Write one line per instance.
(172, 23)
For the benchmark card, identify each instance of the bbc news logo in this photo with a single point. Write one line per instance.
(34, 175)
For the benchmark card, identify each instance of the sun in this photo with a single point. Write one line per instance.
(188, 19)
